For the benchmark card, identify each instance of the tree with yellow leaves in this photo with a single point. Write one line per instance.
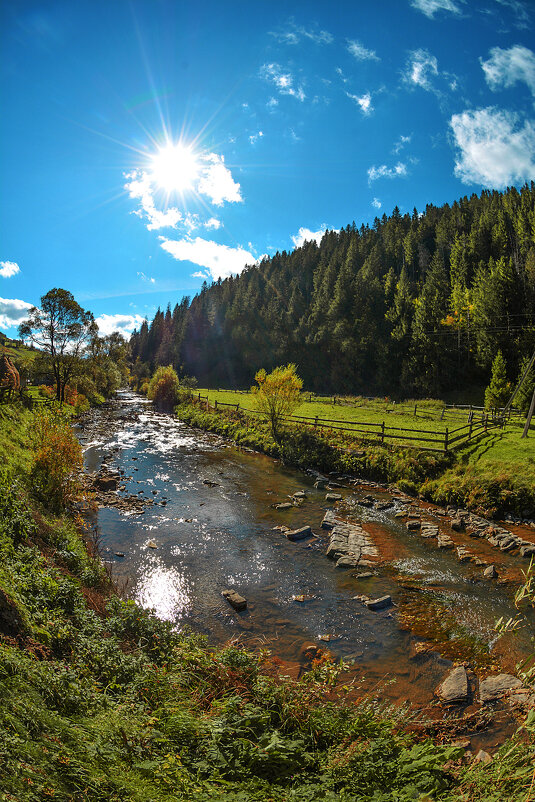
(277, 395)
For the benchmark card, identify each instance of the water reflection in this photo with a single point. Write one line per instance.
(164, 589)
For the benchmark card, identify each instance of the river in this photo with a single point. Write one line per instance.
(214, 524)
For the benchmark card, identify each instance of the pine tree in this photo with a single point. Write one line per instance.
(498, 392)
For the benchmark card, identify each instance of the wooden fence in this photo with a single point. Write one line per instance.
(427, 439)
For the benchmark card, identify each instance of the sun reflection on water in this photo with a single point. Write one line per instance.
(165, 589)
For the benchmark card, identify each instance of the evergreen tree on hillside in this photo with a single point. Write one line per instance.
(498, 392)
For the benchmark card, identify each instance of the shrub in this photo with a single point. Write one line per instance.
(57, 460)
(165, 389)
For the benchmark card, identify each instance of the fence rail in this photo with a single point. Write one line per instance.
(442, 441)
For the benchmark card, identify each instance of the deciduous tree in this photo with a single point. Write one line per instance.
(277, 395)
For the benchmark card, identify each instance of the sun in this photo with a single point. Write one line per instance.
(174, 168)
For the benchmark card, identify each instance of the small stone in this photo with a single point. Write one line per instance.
(527, 551)
(298, 534)
(119, 553)
(455, 687)
(483, 757)
(284, 506)
(364, 575)
(235, 600)
(495, 687)
(320, 484)
(299, 494)
(413, 524)
(333, 497)
(151, 545)
(457, 524)
(379, 604)
(490, 572)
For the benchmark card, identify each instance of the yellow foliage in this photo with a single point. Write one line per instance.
(277, 395)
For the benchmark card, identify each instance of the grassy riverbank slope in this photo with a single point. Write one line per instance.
(103, 702)
(494, 474)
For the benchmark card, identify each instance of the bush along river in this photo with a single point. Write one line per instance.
(406, 593)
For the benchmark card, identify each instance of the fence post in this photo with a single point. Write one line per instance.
(442, 413)
(215, 403)
(470, 432)
(199, 396)
(237, 407)
(415, 406)
(446, 437)
(316, 421)
(383, 432)
(486, 419)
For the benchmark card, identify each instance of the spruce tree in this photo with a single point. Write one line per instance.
(498, 392)
(525, 394)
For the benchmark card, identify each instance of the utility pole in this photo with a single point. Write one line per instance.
(530, 415)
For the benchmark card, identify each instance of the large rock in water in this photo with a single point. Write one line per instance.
(234, 599)
(494, 688)
(351, 541)
(455, 687)
(298, 534)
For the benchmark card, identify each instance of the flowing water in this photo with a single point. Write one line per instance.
(221, 535)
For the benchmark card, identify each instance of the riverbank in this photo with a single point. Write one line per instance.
(104, 701)
(468, 478)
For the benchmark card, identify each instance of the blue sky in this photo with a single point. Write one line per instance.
(148, 145)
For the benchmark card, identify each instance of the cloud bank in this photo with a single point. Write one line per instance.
(494, 148)
(124, 324)
(12, 312)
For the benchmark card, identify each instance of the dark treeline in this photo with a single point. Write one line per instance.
(413, 305)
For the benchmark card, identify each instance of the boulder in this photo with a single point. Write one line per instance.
(235, 600)
(445, 542)
(490, 572)
(527, 551)
(320, 484)
(298, 534)
(379, 604)
(455, 687)
(413, 524)
(457, 524)
(495, 687)
(333, 497)
(107, 481)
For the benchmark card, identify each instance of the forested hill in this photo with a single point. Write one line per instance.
(413, 305)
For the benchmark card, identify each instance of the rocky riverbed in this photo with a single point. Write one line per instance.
(404, 592)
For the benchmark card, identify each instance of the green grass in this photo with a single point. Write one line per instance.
(504, 446)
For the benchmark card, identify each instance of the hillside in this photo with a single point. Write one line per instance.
(413, 306)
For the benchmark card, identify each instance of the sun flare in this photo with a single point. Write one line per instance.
(175, 168)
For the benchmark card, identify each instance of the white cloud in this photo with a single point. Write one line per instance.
(306, 235)
(421, 68)
(284, 81)
(8, 269)
(253, 138)
(495, 150)
(213, 223)
(398, 171)
(13, 312)
(365, 102)
(221, 260)
(143, 277)
(200, 274)
(293, 34)
(400, 144)
(505, 67)
(430, 7)
(124, 324)
(212, 179)
(376, 203)
(360, 52)
(216, 181)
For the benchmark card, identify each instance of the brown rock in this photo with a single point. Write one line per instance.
(455, 687)
(234, 599)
